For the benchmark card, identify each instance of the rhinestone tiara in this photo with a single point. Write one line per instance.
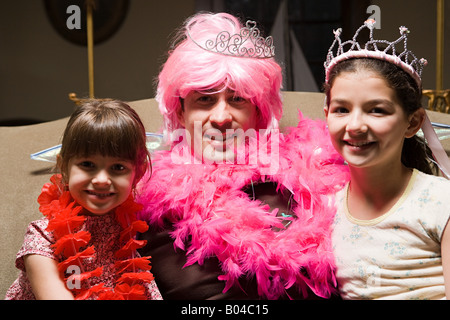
(406, 59)
(247, 43)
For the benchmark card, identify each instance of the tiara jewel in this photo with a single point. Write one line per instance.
(247, 43)
(340, 51)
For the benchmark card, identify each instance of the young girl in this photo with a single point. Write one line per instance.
(390, 238)
(85, 247)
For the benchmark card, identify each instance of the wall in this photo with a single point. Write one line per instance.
(39, 68)
(420, 18)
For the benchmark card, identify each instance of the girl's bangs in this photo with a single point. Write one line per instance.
(104, 140)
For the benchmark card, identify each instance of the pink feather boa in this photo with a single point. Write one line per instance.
(207, 206)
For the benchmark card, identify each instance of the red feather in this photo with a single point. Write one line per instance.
(86, 275)
(133, 264)
(133, 229)
(66, 221)
(51, 190)
(69, 244)
(65, 217)
(131, 246)
(85, 294)
(133, 276)
(110, 295)
(126, 213)
(136, 292)
(76, 259)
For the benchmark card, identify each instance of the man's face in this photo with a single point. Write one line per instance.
(211, 118)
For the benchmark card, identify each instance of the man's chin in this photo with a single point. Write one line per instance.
(212, 155)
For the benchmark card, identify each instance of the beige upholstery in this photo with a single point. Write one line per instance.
(22, 178)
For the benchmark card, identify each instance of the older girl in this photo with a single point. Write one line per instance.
(390, 237)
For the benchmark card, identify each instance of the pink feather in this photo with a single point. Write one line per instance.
(207, 205)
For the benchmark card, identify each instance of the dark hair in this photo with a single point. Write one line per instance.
(106, 127)
(415, 152)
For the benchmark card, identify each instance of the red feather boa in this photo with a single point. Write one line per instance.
(71, 244)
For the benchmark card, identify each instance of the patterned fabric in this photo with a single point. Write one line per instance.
(397, 255)
(105, 237)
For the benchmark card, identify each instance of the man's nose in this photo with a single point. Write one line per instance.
(220, 114)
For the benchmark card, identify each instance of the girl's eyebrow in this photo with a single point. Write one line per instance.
(124, 160)
(380, 101)
(370, 102)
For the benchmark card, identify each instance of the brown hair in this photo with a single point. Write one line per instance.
(415, 152)
(106, 127)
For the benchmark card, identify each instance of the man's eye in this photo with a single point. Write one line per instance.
(205, 98)
(238, 99)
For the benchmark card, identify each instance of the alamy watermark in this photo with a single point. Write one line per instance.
(234, 146)
(375, 12)
(74, 20)
(73, 281)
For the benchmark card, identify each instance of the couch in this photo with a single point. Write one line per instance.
(22, 178)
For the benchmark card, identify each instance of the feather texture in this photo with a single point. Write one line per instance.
(65, 222)
(213, 216)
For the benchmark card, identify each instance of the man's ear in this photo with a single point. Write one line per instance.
(180, 113)
(415, 122)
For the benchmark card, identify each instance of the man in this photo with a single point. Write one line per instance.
(237, 210)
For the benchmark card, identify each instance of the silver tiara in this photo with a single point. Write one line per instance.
(406, 59)
(247, 43)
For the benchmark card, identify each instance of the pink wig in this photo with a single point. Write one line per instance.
(192, 68)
